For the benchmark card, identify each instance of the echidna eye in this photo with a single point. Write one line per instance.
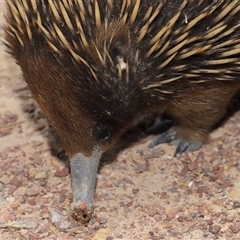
(104, 135)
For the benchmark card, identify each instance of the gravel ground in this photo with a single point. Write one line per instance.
(141, 194)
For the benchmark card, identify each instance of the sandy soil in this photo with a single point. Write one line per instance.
(142, 194)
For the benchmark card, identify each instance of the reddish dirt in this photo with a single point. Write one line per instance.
(142, 194)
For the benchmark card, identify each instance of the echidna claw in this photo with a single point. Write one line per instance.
(187, 146)
(181, 148)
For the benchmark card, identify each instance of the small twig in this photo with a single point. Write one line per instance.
(11, 124)
(14, 224)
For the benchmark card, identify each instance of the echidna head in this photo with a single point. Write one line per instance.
(80, 71)
(88, 110)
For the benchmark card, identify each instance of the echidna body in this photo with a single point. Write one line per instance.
(94, 67)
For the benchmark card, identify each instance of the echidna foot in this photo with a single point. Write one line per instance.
(171, 137)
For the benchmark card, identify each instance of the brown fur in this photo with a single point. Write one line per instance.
(196, 112)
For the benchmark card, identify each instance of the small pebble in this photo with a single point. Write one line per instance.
(192, 166)
(5, 179)
(30, 222)
(36, 143)
(41, 175)
(190, 184)
(139, 168)
(11, 189)
(62, 172)
(32, 202)
(44, 229)
(236, 205)
(184, 171)
(29, 108)
(55, 217)
(62, 198)
(16, 181)
(96, 226)
(229, 218)
(223, 197)
(65, 225)
(102, 234)
(14, 205)
(20, 191)
(5, 131)
(151, 233)
(214, 229)
(3, 155)
(135, 191)
(23, 231)
(109, 238)
(33, 191)
(11, 117)
(171, 215)
(7, 217)
(235, 228)
(3, 122)
(113, 225)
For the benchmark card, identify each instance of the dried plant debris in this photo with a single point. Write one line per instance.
(13, 224)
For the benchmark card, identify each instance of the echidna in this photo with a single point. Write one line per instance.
(95, 66)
